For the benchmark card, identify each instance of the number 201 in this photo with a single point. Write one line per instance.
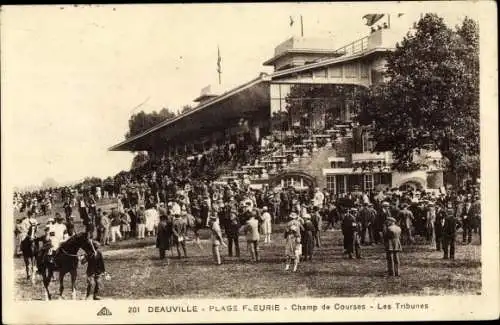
(134, 309)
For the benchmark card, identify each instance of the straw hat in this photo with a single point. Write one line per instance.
(293, 215)
(390, 220)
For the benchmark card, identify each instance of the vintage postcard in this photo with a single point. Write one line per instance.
(300, 162)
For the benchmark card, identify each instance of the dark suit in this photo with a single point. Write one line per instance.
(392, 242)
(350, 230)
(438, 227)
(232, 232)
(467, 223)
(449, 234)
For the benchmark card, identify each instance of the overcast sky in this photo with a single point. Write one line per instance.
(71, 76)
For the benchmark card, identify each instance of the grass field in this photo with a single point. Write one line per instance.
(136, 272)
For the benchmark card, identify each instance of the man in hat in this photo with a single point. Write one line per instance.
(366, 218)
(216, 238)
(392, 234)
(449, 233)
(475, 212)
(251, 229)
(163, 236)
(380, 221)
(95, 269)
(115, 220)
(350, 230)
(179, 231)
(266, 225)
(318, 198)
(141, 222)
(317, 221)
(232, 232)
(467, 223)
(406, 221)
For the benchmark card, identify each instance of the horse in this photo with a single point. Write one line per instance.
(29, 250)
(65, 261)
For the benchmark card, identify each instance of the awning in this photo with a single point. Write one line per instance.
(245, 100)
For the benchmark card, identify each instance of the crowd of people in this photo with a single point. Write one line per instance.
(169, 209)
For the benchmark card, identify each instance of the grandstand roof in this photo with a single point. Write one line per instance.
(212, 113)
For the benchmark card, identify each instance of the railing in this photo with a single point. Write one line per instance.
(357, 46)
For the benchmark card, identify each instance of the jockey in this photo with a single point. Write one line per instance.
(53, 241)
(28, 222)
(60, 231)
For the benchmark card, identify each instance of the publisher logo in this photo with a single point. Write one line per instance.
(104, 312)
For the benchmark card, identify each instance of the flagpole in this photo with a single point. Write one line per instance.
(388, 20)
(301, 27)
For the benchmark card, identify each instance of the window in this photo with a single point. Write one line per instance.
(335, 72)
(323, 73)
(364, 71)
(351, 70)
(330, 183)
(368, 182)
(367, 142)
(341, 183)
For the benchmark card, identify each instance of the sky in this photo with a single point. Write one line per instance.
(72, 76)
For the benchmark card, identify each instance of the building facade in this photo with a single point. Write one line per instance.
(307, 106)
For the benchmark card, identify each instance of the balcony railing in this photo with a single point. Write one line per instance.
(357, 46)
(385, 157)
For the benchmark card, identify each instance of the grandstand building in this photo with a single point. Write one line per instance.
(301, 116)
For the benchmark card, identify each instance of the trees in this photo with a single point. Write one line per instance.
(430, 99)
(142, 121)
(139, 159)
(185, 109)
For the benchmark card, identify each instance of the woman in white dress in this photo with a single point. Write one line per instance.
(266, 225)
(293, 248)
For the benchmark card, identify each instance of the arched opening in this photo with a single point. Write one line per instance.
(297, 180)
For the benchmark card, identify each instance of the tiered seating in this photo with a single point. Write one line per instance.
(274, 159)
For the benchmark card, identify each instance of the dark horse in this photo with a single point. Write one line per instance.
(29, 250)
(65, 261)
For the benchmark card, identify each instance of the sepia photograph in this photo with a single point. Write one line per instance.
(259, 158)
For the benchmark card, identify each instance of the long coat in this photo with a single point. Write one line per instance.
(163, 239)
(392, 238)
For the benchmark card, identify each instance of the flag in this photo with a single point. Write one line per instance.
(400, 14)
(218, 60)
(291, 21)
(372, 18)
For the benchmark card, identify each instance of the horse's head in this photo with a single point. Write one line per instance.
(32, 231)
(82, 240)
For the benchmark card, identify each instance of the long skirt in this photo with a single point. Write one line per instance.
(293, 249)
(307, 244)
